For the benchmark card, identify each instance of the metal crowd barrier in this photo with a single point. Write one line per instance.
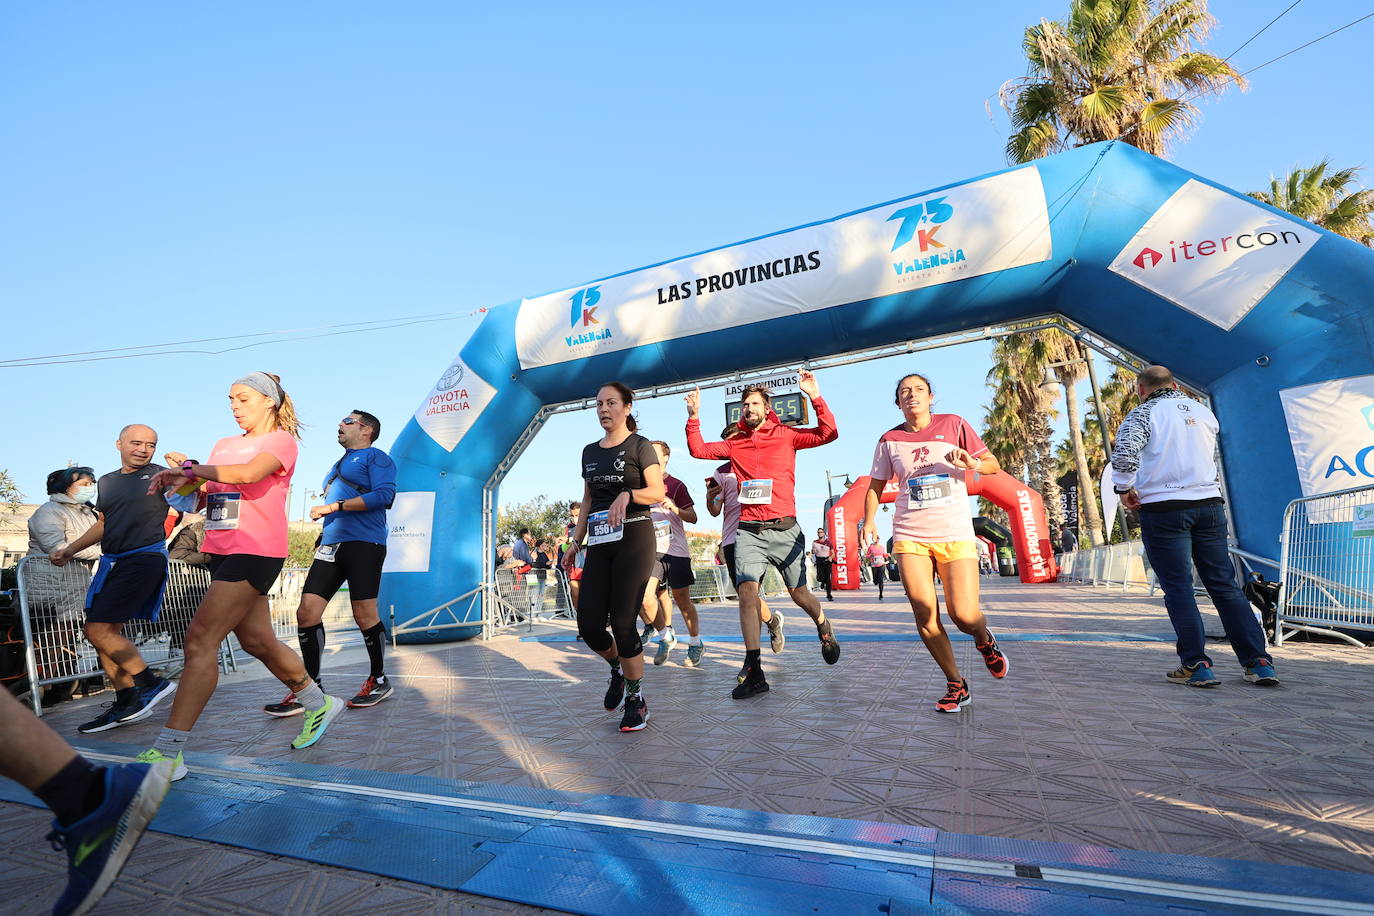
(517, 598)
(1326, 565)
(522, 598)
(52, 602)
(1122, 565)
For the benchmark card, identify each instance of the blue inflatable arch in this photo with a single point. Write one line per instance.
(1239, 299)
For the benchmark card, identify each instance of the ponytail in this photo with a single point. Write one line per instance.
(287, 420)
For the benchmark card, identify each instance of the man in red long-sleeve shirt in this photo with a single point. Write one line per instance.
(764, 460)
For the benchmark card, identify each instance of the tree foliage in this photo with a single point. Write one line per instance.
(1113, 69)
(1326, 198)
(11, 498)
(544, 518)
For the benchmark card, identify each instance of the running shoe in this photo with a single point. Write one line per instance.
(316, 721)
(776, 639)
(993, 658)
(648, 632)
(956, 696)
(743, 673)
(830, 646)
(1263, 674)
(615, 690)
(145, 700)
(154, 756)
(1199, 675)
(636, 714)
(107, 720)
(664, 648)
(694, 652)
(99, 844)
(373, 691)
(751, 684)
(289, 706)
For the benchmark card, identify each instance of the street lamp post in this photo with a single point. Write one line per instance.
(305, 507)
(830, 489)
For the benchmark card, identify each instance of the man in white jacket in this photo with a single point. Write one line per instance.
(1164, 465)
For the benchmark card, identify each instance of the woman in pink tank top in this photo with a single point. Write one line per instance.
(242, 490)
(930, 456)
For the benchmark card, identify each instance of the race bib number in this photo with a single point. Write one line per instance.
(663, 534)
(326, 552)
(756, 492)
(601, 531)
(931, 490)
(222, 512)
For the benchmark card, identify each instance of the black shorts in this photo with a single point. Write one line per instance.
(131, 584)
(259, 572)
(357, 562)
(729, 552)
(673, 572)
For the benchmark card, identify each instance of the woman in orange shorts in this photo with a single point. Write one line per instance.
(930, 455)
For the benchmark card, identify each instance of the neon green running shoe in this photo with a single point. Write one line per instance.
(153, 755)
(316, 721)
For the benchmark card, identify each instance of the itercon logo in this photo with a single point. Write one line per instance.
(584, 316)
(1227, 244)
(921, 224)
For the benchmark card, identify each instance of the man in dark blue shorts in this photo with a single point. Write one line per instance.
(130, 579)
(360, 487)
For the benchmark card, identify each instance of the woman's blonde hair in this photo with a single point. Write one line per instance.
(287, 421)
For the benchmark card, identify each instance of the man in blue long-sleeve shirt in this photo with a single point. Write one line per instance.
(359, 488)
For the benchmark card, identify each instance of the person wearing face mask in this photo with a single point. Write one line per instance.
(66, 516)
(359, 488)
(130, 581)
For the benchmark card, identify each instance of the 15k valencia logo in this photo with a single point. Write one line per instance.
(584, 314)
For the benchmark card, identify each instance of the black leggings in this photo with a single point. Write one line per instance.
(614, 577)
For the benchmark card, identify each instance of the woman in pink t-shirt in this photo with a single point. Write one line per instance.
(243, 489)
(929, 455)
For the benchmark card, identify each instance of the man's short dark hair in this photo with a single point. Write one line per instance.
(371, 423)
(663, 447)
(759, 390)
(1156, 377)
(524, 531)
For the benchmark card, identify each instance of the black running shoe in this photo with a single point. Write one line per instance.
(373, 691)
(110, 718)
(752, 684)
(636, 714)
(830, 646)
(615, 691)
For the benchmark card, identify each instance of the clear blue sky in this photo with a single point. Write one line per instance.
(174, 171)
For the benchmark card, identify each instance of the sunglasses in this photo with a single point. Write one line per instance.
(349, 421)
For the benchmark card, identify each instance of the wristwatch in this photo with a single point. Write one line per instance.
(1120, 492)
(188, 467)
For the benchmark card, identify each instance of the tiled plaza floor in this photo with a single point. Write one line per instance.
(1083, 742)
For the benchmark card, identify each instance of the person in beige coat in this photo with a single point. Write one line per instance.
(56, 597)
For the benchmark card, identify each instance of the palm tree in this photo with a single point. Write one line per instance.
(1018, 422)
(1114, 69)
(1069, 358)
(1326, 199)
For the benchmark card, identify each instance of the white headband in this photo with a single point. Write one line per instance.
(262, 383)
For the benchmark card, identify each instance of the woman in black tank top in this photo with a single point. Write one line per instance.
(621, 480)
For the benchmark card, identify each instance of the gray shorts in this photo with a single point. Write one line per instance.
(783, 548)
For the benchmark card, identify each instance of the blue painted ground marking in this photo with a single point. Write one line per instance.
(600, 853)
(916, 637)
